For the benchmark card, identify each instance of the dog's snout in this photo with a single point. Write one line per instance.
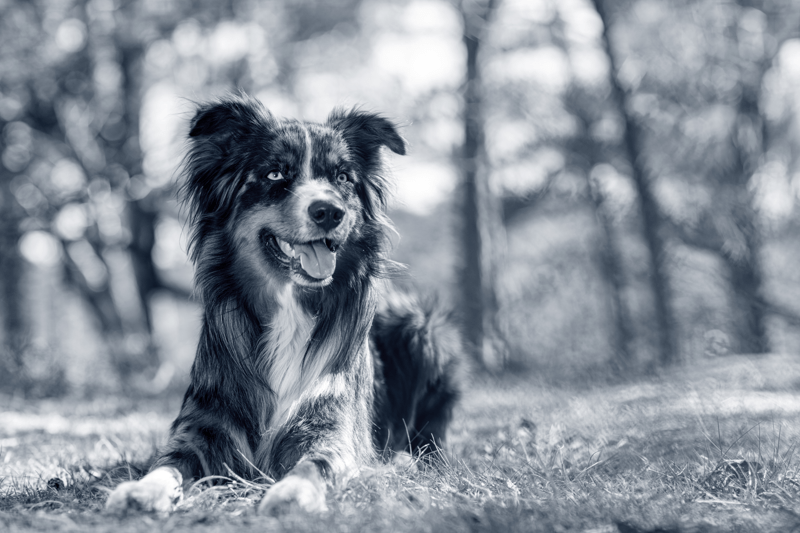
(325, 214)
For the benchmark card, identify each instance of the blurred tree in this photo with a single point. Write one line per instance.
(731, 229)
(482, 234)
(81, 102)
(15, 152)
(745, 39)
(585, 149)
(134, 29)
(546, 148)
(117, 44)
(652, 223)
(15, 326)
(68, 74)
(20, 67)
(585, 152)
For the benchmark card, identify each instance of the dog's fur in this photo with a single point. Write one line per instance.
(304, 370)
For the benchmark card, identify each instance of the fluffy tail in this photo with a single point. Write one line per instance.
(416, 350)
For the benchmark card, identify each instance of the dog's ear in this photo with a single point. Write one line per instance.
(222, 137)
(232, 115)
(366, 132)
(211, 119)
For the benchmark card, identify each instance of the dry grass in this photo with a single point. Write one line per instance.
(706, 448)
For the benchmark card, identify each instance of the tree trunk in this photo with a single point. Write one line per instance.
(613, 272)
(666, 325)
(482, 233)
(744, 263)
(141, 212)
(750, 329)
(15, 327)
(143, 236)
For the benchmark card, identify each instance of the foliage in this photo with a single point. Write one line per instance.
(94, 96)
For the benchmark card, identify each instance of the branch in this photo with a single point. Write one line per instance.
(702, 240)
(773, 308)
(512, 206)
(99, 300)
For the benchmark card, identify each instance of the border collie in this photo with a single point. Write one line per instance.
(309, 366)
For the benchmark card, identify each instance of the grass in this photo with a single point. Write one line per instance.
(710, 447)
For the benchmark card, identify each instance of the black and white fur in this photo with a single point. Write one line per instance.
(306, 369)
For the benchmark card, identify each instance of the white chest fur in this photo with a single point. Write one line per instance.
(283, 349)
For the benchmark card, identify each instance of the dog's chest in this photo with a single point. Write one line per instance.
(283, 350)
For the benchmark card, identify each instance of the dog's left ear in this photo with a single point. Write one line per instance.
(366, 132)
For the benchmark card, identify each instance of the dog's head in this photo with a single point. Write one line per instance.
(287, 201)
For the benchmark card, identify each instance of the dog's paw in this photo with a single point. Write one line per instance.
(158, 492)
(404, 461)
(293, 492)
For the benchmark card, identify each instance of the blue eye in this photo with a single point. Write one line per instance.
(342, 177)
(275, 175)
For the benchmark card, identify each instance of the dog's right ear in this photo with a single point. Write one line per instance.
(230, 116)
(211, 119)
(222, 137)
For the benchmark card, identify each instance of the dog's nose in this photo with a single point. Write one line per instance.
(326, 215)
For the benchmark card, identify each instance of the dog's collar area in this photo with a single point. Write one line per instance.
(310, 264)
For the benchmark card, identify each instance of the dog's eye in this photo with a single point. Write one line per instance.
(275, 175)
(342, 177)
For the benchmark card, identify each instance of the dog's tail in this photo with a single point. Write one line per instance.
(416, 349)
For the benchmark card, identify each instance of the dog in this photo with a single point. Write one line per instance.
(309, 365)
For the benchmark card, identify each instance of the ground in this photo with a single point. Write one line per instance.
(706, 447)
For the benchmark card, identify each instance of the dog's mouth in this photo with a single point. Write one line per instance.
(315, 259)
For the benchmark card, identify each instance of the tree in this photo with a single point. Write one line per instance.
(731, 228)
(85, 118)
(666, 323)
(698, 42)
(11, 265)
(586, 152)
(482, 238)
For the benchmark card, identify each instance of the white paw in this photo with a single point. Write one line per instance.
(293, 491)
(159, 492)
(404, 461)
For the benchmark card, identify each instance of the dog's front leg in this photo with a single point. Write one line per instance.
(159, 491)
(323, 445)
(303, 487)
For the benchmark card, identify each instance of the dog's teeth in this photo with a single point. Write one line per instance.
(285, 247)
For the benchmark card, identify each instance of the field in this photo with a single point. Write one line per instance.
(709, 447)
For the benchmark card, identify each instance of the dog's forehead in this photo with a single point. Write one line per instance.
(290, 139)
(327, 143)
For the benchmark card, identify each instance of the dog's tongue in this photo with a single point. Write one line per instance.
(316, 259)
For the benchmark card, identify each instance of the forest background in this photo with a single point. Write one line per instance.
(599, 188)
